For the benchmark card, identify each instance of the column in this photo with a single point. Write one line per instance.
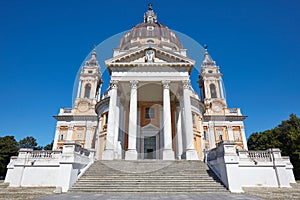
(56, 138)
(97, 147)
(179, 135)
(168, 153)
(116, 137)
(244, 137)
(108, 153)
(221, 88)
(79, 89)
(191, 153)
(99, 93)
(131, 153)
(211, 132)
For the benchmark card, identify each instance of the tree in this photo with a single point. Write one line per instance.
(285, 136)
(28, 142)
(8, 148)
(49, 146)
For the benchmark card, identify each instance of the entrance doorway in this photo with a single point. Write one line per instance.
(150, 147)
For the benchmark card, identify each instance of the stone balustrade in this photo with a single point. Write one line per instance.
(49, 168)
(65, 111)
(258, 156)
(44, 154)
(269, 168)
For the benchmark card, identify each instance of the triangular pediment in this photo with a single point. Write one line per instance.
(150, 127)
(149, 54)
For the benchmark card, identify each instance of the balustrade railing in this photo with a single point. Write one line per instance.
(260, 156)
(44, 154)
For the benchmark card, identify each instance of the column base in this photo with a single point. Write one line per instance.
(131, 154)
(191, 155)
(168, 154)
(108, 154)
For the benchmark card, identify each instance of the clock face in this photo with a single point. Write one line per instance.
(83, 106)
(216, 108)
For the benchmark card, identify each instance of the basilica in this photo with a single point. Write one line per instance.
(141, 133)
(150, 110)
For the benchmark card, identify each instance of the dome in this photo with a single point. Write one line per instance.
(150, 32)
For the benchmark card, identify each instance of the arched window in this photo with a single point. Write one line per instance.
(87, 91)
(213, 92)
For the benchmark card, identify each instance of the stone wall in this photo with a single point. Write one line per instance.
(241, 168)
(48, 168)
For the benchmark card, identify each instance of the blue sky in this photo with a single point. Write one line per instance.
(43, 43)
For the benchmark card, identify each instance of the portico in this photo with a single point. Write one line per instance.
(149, 130)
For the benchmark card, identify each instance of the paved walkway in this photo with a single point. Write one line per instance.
(250, 194)
(209, 196)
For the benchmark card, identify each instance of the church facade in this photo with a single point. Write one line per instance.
(150, 110)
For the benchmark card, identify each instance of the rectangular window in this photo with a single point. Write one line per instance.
(149, 114)
(106, 118)
(62, 135)
(220, 135)
(194, 118)
(79, 134)
(237, 135)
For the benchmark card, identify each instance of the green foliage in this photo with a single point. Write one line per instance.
(49, 146)
(285, 136)
(8, 148)
(28, 142)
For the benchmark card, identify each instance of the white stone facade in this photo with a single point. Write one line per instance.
(150, 111)
(238, 169)
(47, 169)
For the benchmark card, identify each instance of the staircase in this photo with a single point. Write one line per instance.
(148, 176)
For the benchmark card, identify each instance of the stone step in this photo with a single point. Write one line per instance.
(162, 179)
(131, 190)
(148, 177)
(147, 182)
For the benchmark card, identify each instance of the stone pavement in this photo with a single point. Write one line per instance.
(250, 194)
(208, 196)
(275, 193)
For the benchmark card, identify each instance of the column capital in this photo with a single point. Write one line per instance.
(166, 84)
(133, 84)
(114, 84)
(186, 84)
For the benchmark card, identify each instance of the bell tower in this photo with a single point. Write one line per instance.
(89, 86)
(211, 84)
(79, 123)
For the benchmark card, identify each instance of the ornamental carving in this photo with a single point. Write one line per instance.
(149, 55)
(186, 84)
(166, 84)
(114, 84)
(133, 84)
